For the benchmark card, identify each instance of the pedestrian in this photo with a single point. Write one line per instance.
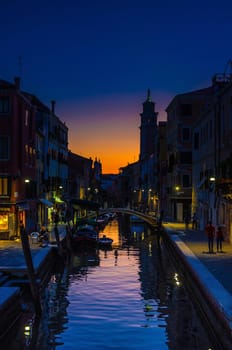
(194, 221)
(56, 218)
(219, 238)
(43, 234)
(22, 229)
(186, 220)
(210, 231)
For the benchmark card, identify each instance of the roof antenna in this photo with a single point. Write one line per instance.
(228, 70)
(20, 66)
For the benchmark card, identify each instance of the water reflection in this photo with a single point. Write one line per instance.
(127, 297)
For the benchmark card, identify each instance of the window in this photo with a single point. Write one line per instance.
(4, 222)
(186, 181)
(4, 105)
(186, 134)
(3, 186)
(186, 110)
(4, 148)
(185, 157)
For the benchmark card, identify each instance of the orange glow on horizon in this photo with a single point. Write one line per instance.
(114, 149)
(105, 128)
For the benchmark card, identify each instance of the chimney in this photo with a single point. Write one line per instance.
(17, 82)
(53, 102)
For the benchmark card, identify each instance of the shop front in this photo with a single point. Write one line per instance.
(6, 222)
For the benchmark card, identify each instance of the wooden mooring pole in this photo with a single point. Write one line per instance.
(30, 270)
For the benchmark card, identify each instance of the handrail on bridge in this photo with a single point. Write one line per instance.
(147, 218)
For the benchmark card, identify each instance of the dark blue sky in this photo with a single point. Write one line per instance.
(94, 56)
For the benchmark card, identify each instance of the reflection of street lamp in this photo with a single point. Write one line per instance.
(96, 191)
(88, 193)
(149, 199)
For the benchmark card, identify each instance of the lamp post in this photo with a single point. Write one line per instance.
(212, 199)
(177, 190)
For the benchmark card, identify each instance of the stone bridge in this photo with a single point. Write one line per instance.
(147, 218)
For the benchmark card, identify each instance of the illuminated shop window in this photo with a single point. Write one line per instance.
(3, 222)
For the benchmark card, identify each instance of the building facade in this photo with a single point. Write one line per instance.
(182, 112)
(17, 160)
(138, 182)
(33, 161)
(212, 158)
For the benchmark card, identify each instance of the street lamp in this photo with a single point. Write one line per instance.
(212, 179)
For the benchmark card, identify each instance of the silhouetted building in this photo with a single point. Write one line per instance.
(148, 129)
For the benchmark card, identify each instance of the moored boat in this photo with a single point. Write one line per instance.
(84, 236)
(105, 241)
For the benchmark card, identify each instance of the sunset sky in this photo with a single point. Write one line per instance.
(97, 59)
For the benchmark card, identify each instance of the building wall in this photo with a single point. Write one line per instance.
(182, 113)
(19, 169)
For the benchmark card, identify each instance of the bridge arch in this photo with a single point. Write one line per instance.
(147, 218)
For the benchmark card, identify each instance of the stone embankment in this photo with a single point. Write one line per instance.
(14, 273)
(206, 278)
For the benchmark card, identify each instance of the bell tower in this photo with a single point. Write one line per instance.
(148, 128)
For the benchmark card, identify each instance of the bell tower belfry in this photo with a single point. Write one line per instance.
(148, 128)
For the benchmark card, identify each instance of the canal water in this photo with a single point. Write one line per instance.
(128, 297)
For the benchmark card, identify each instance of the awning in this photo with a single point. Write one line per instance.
(23, 206)
(84, 204)
(58, 200)
(46, 202)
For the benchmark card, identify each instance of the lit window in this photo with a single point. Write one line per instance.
(3, 222)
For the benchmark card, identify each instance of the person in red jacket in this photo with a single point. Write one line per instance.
(210, 231)
(219, 238)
